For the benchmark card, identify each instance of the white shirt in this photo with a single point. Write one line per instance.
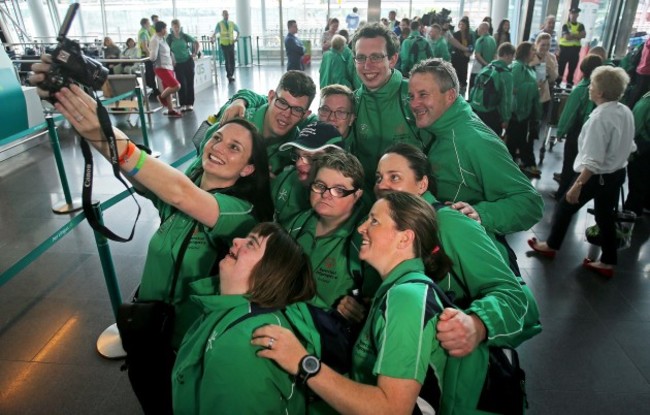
(160, 53)
(606, 139)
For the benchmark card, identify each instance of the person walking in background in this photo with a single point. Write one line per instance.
(576, 111)
(331, 29)
(144, 37)
(225, 30)
(503, 32)
(572, 32)
(152, 29)
(526, 110)
(352, 19)
(485, 49)
(438, 43)
(638, 168)
(414, 49)
(545, 66)
(605, 143)
(334, 68)
(294, 47)
(460, 58)
(184, 47)
(160, 55)
(642, 74)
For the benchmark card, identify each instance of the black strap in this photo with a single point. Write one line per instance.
(87, 186)
(256, 310)
(179, 261)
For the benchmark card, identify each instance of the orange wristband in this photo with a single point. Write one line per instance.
(124, 157)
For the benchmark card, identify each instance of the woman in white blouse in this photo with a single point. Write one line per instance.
(604, 144)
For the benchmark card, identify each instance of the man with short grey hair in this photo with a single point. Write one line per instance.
(548, 27)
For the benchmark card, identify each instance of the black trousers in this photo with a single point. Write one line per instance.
(604, 190)
(185, 75)
(568, 55)
(151, 380)
(568, 175)
(229, 58)
(492, 119)
(638, 172)
(460, 62)
(519, 139)
(150, 77)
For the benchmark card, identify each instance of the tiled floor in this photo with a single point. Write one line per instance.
(592, 357)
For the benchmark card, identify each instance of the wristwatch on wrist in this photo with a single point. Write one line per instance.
(309, 366)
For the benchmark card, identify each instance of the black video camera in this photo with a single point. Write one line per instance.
(69, 63)
(436, 18)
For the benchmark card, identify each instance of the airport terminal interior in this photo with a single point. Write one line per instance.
(591, 358)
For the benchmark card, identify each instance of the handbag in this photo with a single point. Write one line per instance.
(624, 222)
(146, 327)
(504, 390)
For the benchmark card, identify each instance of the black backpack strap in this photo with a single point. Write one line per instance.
(256, 310)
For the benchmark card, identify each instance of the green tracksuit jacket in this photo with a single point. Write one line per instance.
(440, 48)
(236, 220)
(482, 281)
(334, 68)
(383, 118)
(486, 46)
(525, 101)
(504, 81)
(217, 370)
(576, 110)
(472, 165)
(406, 57)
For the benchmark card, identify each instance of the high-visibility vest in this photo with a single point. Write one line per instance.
(226, 33)
(574, 29)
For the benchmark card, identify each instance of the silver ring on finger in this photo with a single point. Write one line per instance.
(270, 345)
(79, 118)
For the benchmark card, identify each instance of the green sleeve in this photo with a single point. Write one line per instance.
(406, 343)
(245, 383)
(235, 28)
(324, 70)
(641, 113)
(511, 203)
(235, 218)
(505, 106)
(444, 51)
(569, 115)
(252, 99)
(497, 297)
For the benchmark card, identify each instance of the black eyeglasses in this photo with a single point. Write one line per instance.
(325, 112)
(336, 191)
(374, 58)
(283, 105)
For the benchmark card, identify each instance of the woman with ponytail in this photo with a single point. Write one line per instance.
(397, 363)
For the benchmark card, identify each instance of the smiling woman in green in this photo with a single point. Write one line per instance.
(397, 348)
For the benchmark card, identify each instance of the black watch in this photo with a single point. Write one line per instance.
(309, 366)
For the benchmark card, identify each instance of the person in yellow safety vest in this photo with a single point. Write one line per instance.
(572, 32)
(225, 30)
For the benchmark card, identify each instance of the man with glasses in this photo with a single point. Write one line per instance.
(382, 110)
(290, 189)
(276, 115)
(473, 168)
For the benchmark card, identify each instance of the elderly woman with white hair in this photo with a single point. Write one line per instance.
(604, 145)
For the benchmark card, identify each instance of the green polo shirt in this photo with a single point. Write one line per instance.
(334, 257)
(399, 337)
(235, 220)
